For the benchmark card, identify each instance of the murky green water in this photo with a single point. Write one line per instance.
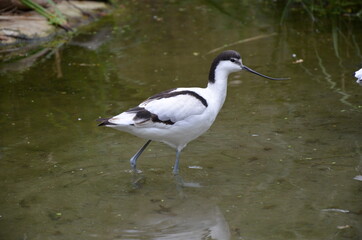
(278, 163)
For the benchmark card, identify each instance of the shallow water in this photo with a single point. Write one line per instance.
(278, 163)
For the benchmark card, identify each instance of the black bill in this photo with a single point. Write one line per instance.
(252, 71)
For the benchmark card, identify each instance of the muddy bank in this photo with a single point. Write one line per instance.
(22, 30)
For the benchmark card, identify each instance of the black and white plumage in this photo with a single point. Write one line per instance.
(358, 75)
(178, 116)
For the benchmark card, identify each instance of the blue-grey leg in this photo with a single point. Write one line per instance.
(175, 167)
(133, 160)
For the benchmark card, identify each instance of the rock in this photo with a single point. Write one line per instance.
(9, 4)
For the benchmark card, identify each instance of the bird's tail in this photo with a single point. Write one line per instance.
(104, 122)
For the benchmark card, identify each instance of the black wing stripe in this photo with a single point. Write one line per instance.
(169, 93)
(144, 115)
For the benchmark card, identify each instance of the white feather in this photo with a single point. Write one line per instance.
(175, 108)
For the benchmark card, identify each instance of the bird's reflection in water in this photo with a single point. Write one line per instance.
(190, 220)
(138, 180)
(185, 216)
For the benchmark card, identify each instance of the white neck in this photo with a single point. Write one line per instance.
(218, 88)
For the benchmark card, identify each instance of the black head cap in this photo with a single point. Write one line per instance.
(226, 55)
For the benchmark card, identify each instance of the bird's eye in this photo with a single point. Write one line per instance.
(233, 60)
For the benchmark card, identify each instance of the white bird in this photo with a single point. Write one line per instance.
(178, 116)
(358, 75)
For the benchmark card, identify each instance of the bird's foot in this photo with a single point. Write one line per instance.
(138, 180)
(180, 183)
(136, 171)
(175, 172)
(134, 167)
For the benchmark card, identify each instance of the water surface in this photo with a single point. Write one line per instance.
(278, 163)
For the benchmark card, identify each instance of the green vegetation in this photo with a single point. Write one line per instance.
(55, 18)
(316, 9)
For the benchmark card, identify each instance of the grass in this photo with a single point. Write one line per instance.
(55, 18)
(317, 9)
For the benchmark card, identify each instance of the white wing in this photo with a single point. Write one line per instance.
(176, 106)
(162, 110)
